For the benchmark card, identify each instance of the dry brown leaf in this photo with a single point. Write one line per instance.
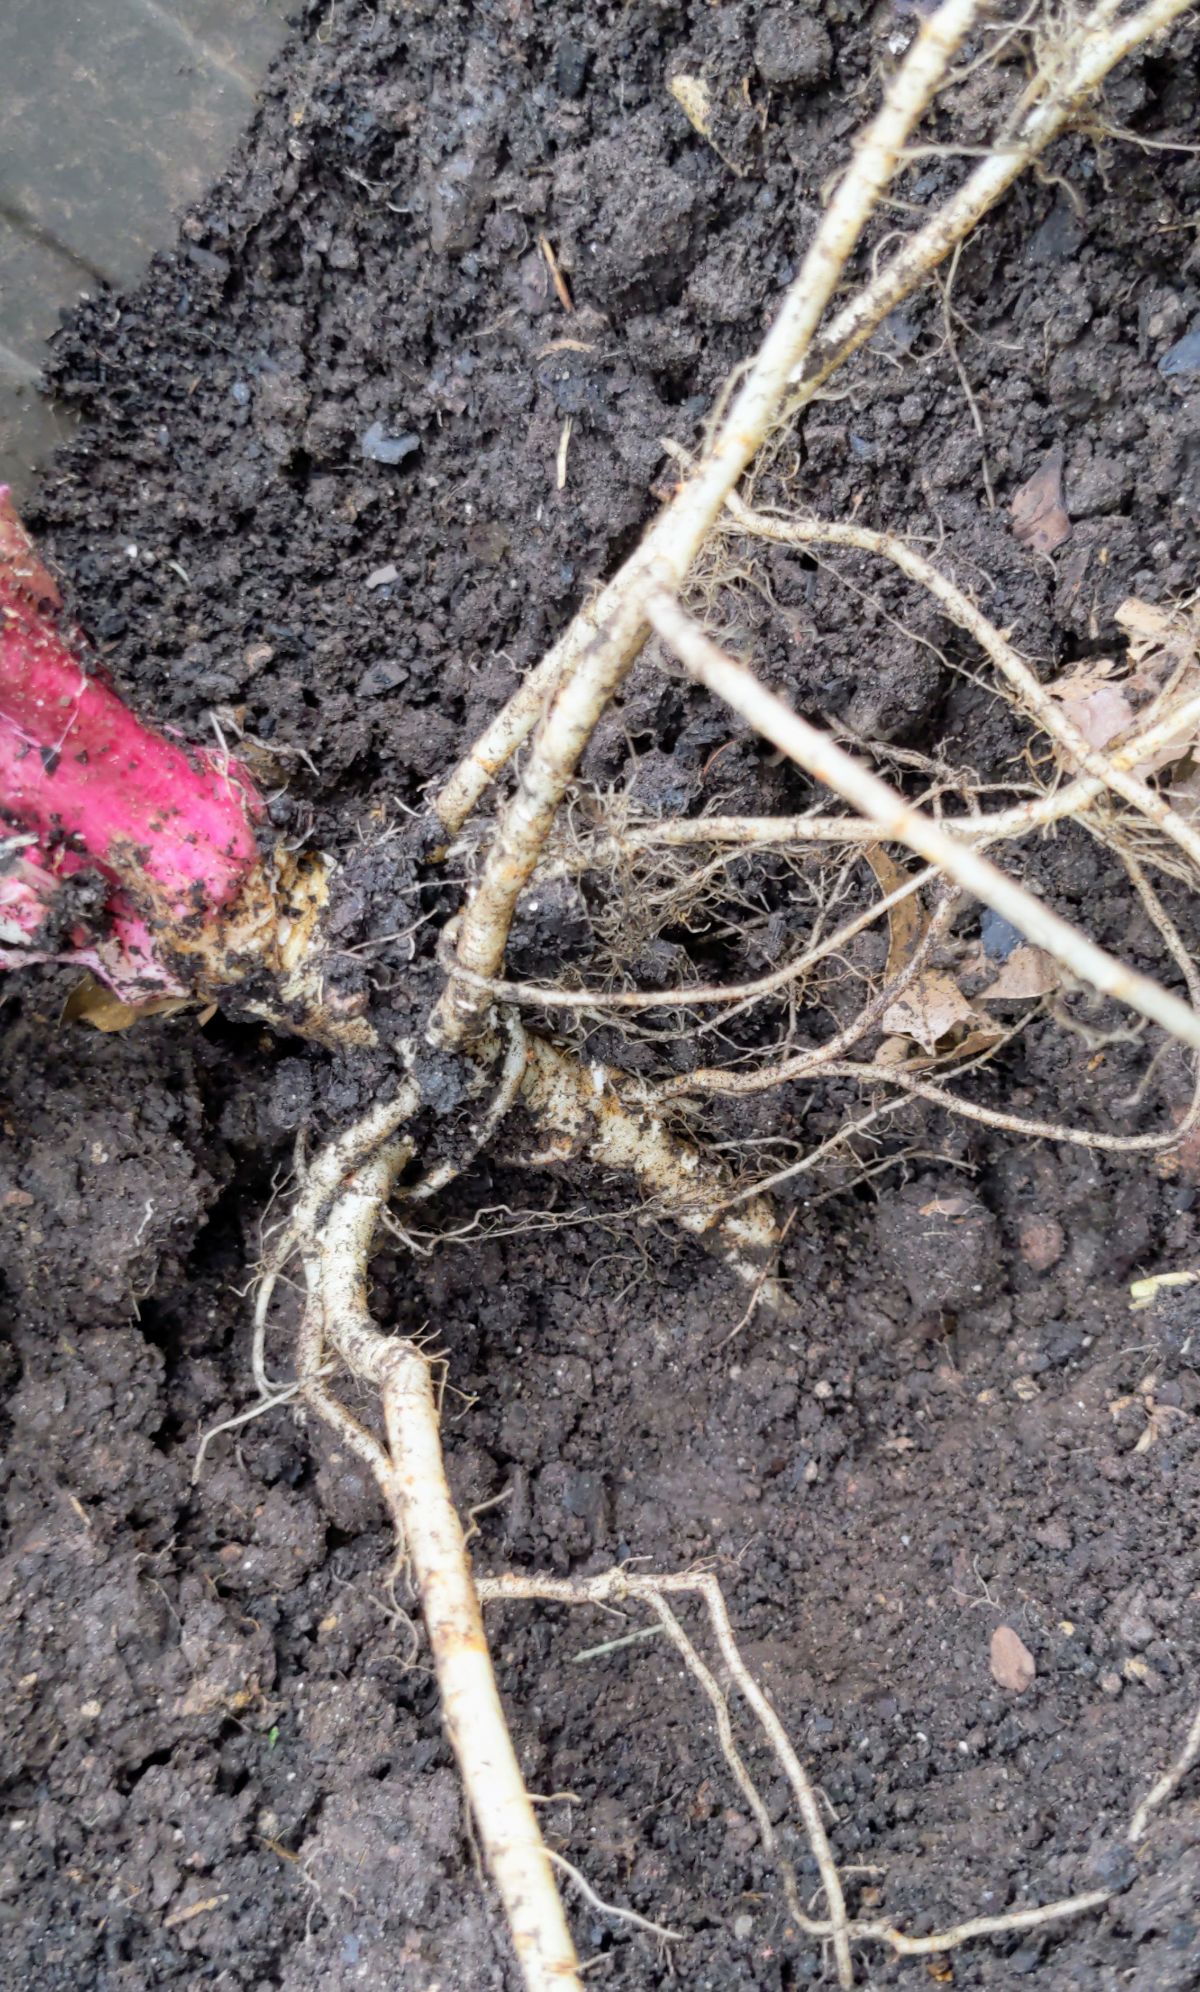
(980, 1039)
(906, 922)
(1160, 641)
(694, 99)
(1013, 1665)
(1184, 796)
(1158, 1423)
(1026, 974)
(1163, 648)
(934, 1006)
(91, 1003)
(1039, 516)
(897, 1051)
(1097, 706)
(947, 1207)
(930, 1010)
(1104, 713)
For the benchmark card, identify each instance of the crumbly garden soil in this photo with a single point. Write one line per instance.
(222, 1755)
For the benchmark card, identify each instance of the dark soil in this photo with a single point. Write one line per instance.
(222, 1767)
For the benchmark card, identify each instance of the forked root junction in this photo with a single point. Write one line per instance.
(583, 1109)
(841, 1931)
(348, 1186)
(342, 1206)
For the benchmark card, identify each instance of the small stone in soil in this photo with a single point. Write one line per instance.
(999, 936)
(790, 47)
(381, 677)
(1112, 1866)
(1042, 1241)
(1184, 356)
(1135, 1628)
(379, 445)
(571, 67)
(1012, 1663)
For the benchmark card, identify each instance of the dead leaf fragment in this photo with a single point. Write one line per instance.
(561, 288)
(934, 1006)
(1028, 973)
(1107, 701)
(193, 1910)
(930, 1010)
(906, 921)
(694, 99)
(1012, 1663)
(1158, 1424)
(1039, 516)
(1089, 698)
(1144, 1292)
(949, 1207)
(1184, 796)
(90, 1002)
(1160, 640)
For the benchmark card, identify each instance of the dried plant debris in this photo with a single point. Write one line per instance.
(1039, 515)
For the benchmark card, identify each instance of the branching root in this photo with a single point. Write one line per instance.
(582, 1109)
(623, 1585)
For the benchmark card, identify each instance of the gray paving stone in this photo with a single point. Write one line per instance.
(117, 113)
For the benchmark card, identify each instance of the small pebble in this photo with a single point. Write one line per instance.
(1135, 1628)
(999, 936)
(1013, 1665)
(382, 577)
(1042, 1242)
(379, 445)
(381, 677)
(571, 62)
(1113, 1866)
(1184, 356)
(791, 47)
